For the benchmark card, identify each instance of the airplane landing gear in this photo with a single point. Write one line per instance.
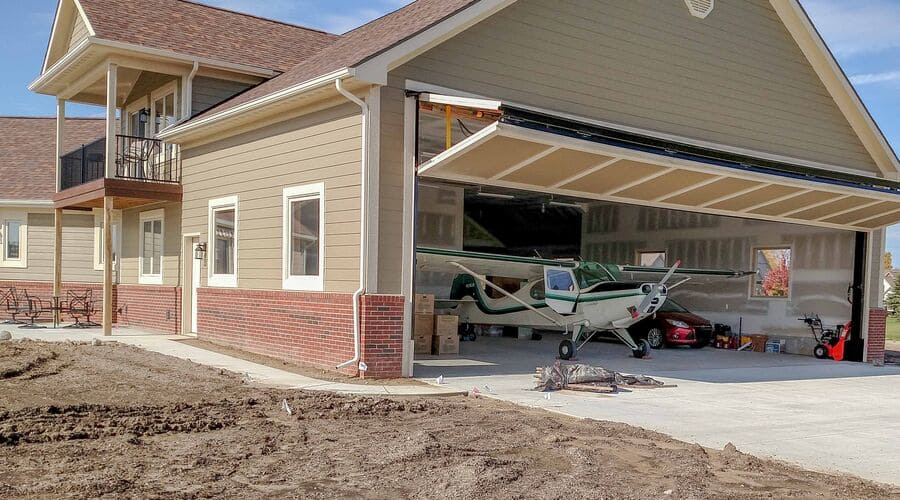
(643, 349)
(566, 349)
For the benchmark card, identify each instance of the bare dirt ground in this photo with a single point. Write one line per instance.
(116, 421)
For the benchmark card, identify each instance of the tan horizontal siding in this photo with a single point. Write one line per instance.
(207, 92)
(736, 78)
(129, 268)
(79, 31)
(78, 250)
(256, 167)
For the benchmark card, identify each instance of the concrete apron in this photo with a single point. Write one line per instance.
(821, 415)
(257, 373)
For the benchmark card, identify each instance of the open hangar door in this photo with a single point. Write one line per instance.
(644, 201)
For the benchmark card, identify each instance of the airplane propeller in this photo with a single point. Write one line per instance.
(657, 290)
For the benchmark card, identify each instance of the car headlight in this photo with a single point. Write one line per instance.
(678, 323)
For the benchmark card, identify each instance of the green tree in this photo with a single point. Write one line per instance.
(888, 261)
(893, 301)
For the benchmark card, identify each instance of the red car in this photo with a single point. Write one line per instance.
(673, 325)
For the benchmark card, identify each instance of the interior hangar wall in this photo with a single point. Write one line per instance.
(822, 262)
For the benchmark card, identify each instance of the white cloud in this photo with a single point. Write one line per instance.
(856, 27)
(882, 77)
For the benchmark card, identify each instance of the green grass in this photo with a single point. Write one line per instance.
(893, 329)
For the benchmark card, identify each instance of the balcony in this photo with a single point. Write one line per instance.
(146, 171)
(137, 158)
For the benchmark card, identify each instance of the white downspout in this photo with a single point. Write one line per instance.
(363, 247)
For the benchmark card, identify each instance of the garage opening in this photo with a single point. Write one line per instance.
(511, 182)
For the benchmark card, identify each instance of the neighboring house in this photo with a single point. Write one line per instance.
(27, 187)
(265, 174)
(890, 281)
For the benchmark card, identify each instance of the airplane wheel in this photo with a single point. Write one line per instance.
(566, 349)
(642, 350)
(820, 352)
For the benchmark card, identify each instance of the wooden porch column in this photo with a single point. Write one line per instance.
(107, 265)
(57, 259)
(111, 84)
(60, 139)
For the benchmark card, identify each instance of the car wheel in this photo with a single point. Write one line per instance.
(820, 352)
(566, 349)
(656, 338)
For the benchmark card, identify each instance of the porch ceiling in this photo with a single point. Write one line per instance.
(518, 157)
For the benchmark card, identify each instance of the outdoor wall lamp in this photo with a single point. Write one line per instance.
(200, 251)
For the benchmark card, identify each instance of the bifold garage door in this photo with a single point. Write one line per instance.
(525, 150)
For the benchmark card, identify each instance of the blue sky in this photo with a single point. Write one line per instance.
(863, 34)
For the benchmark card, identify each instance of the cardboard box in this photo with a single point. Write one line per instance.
(423, 325)
(446, 325)
(424, 303)
(445, 344)
(423, 344)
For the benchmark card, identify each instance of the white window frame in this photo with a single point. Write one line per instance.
(151, 215)
(169, 88)
(213, 279)
(752, 289)
(306, 283)
(98, 238)
(6, 217)
(134, 107)
(641, 253)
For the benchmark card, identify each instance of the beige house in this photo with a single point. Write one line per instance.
(28, 180)
(269, 178)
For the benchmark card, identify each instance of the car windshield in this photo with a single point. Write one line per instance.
(671, 306)
(589, 274)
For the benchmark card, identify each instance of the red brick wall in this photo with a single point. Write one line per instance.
(149, 307)
(875, 336)
(44, 290)
(382, 335)
(303, 327)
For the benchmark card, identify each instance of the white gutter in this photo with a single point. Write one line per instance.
(289, 92)
(363, 246)
(27, 203)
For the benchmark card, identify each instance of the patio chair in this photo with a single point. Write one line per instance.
(80, 303)
(14, 304)
(36, 307)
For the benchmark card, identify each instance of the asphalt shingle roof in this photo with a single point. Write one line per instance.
(28, 153)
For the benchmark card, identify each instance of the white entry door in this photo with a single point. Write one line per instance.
(195, 284)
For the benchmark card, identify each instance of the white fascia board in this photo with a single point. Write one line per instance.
(466, 102)
(59, 65)
(26, 203)
(300, 88)
(376, 68)
(838, 85)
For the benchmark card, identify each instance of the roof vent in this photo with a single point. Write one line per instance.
(700, 8)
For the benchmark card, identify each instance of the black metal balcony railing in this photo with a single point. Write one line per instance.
(137, 158)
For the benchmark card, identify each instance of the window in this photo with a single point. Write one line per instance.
(773, 272)
(223, 241)
(652, 258)
(162, 109)
(151, 241)
(13, 239)
(12, 249)
(304, 242)
(98, 239)
(560, 280)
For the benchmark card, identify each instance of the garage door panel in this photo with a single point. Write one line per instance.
(831, 208)
(556, 167)
(792, 204)
(754, 198)
(712, 192)
(614, 177)
(667, 183)
(864, 213)
(493, 157)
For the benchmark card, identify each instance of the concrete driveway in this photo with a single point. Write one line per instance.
(821, 415)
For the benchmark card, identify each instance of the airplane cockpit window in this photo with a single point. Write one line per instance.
(537, 292)
(589, 274)
(560, 280)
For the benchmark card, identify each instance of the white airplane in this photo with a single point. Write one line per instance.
(580, 297)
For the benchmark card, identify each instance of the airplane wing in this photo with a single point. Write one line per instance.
(632, 271)
(487, 264)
